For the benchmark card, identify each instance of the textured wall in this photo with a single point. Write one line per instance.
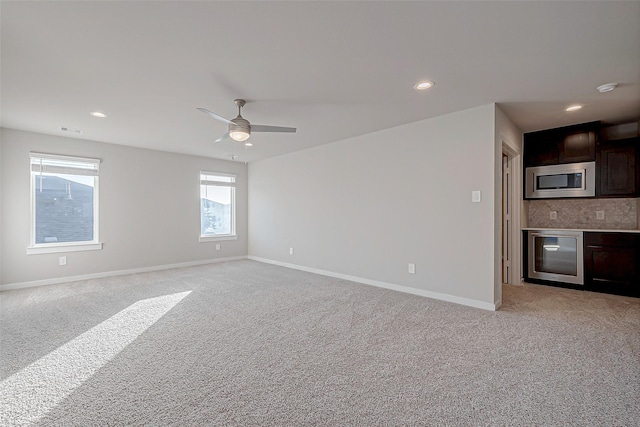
(619, 214)
(149, 208)
(369, 205)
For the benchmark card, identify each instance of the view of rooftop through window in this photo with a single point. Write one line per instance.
(63, 199)
(64, 209)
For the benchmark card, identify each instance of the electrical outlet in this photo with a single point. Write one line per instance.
(412, 268)
(553, 215)
(62, 260)
(217, 246)
(599, 214)
(290, 251)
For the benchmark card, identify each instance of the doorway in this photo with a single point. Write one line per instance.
(511, 208)
(506, 220)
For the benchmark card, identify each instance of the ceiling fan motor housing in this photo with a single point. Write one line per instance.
(239, 124)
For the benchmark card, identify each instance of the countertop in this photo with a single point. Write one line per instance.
(581, 229)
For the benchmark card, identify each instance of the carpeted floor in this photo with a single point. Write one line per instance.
(250, 344)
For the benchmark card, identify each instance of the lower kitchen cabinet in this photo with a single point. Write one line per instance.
(612, 262)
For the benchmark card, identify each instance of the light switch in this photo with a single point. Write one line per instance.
(217, 246)
(599, 214)
(412, 268)
(476, 196)
(553, 215)
(62, 260)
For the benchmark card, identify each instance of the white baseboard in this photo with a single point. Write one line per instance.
(429, 294)
(435, 295)
(22, 285)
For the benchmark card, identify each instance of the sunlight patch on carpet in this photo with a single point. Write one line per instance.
(30, 393)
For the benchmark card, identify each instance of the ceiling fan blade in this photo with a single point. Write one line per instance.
(214, 115)
(222, 138)
(265, 128)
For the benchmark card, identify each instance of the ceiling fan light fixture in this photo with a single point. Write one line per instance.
(239, 135)
(239, 128)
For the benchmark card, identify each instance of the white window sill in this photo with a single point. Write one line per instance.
(216, 238)
(63, 247)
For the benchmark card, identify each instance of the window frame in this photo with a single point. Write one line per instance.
(43, 248)
(232, 214)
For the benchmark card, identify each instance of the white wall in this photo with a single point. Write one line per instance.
(149, 209)
(368, 206)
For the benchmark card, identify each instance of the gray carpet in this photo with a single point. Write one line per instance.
(250, 344)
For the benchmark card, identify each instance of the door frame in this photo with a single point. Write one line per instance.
(514, 199)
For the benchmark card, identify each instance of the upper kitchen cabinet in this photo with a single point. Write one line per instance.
(570, 144)
(617, 162)
(541, 148)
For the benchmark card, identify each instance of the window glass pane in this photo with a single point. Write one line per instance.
(215, 210)
(63, 208)
(217, 200)
(556, 255)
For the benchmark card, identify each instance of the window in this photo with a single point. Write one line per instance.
(64, 204)
(217, 206)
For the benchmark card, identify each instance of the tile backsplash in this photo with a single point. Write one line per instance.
(619, 214)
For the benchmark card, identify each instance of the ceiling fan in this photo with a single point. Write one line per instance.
(239, 128)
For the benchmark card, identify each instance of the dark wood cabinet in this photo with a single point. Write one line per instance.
(612, 262)
(578, 145)
(540, 149)
(570, 144)
(618, 172)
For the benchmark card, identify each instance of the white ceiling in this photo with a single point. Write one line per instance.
(332, 69)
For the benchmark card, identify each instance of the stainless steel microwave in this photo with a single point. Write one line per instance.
(570, 180)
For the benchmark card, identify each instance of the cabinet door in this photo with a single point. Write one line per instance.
(578, 146)
(612, 263)
(541, 148)
(617, 170)
(569, 144)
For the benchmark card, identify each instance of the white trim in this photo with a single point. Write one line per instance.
(203, 239)
(232, 209)
(63, 157)
(510, 147)
(64, 247)
(429, 294)
(515, 164)
(227, 174)
(22, 285)
(40, 248)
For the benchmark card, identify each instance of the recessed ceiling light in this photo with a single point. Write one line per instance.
(98, 114)
(607, 87)
(248, 144)
(573, 108)
(423, 85)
